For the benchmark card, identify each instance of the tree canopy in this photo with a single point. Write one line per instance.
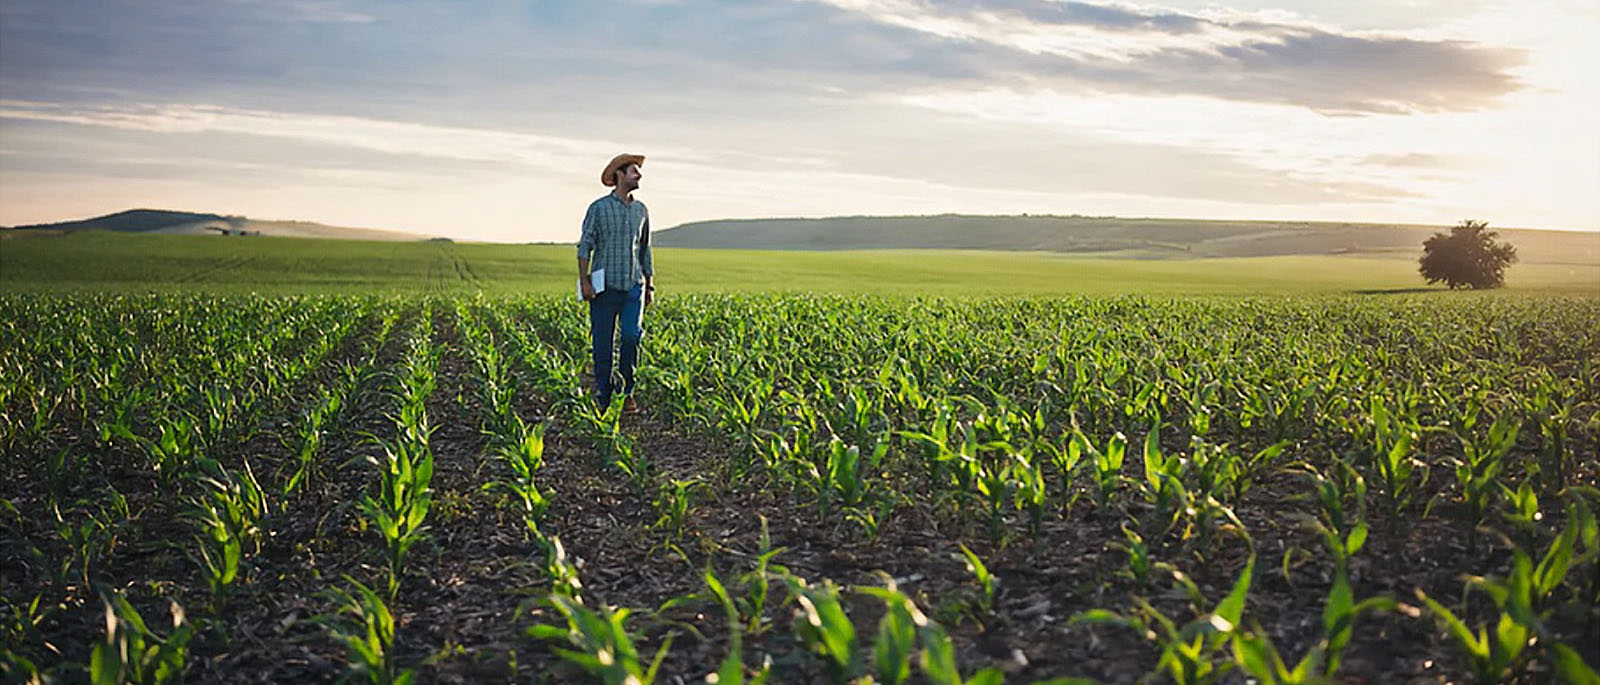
(1468, 256)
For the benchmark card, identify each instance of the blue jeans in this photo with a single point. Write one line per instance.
(605, 310)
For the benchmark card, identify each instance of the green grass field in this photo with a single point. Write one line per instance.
(110, 262)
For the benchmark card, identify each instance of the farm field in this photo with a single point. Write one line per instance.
(820, 488)
(97, 261)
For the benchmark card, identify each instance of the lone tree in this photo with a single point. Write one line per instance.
(1466, 256)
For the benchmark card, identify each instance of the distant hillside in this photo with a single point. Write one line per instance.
(1105, 236)
(137, 220)
(193, 223)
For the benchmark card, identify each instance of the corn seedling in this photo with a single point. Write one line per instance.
(1478, 472)
(525, 456)
(988, 584)
(564, 581)
(402, 502)
(1188, 652)
(229, 516)
(673, 501)
(1344, 533)
(1259, 658)
(1163, 484)
(758, 582)
(731, 670)
(823, 627)
(1393, 442)
(1523, 599)
(366, 628)
(132, 653)
(1107, 463)
(598, 643)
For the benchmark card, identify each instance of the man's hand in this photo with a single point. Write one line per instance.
(588, 289)
(649, 293)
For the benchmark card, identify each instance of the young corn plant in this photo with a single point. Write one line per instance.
(823, 628)
(1344, 532)
(1276, 408)
(673, 502)
(1239, 473)
(90, 535)
(731, 671)
(1524, 600)
(1107, 463)
(1260, 659)
(1139, 562)
(1208, 505)
(525, 456)
(934, 440)
(175, 447)
(604, 427)
(1478, 471)
(403, 499)
(1522, 511)
(1067, 458)
(988, 584)
(937, 659)
(1392, 442)
(366, 628)
(311, 435)
(1163, 485)
(995, 485)
(891, 650)
(1552, 417)
(844, 480)
(903, 628)
(563, 574)
(1491, 656)
(598, 643)
(758, 582)
(132, 653)
(1189, 653)
(1031, 495)
(230, 516)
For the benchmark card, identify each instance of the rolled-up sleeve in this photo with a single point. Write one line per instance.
(587, 238)
(644, 248)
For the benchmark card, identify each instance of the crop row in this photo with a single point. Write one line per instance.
(1181, 423)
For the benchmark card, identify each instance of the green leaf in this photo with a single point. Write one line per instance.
(987, 676)
(1103, 616)
(938, 656)
(547, 632)
(1474, 646)
(1258, 658)
(1571, 666)
(104, 669)
(1336, 613)
(1231, 609)
(1357, 539)
(1553, 567)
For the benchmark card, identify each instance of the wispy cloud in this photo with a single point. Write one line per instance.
(393, 137)
(1114, 48)
(327, 11)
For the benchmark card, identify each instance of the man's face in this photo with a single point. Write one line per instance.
(628, 177)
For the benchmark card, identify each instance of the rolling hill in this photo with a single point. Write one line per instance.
(194, 223)
(1107, 237)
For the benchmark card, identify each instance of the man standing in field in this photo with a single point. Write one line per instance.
(616, 239)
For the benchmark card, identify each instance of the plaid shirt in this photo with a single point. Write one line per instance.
(616, 237)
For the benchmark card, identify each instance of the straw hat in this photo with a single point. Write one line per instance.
(609, 176)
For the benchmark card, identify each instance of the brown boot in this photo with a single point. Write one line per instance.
(629, 405)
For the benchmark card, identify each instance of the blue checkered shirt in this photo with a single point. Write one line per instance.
(616, 237)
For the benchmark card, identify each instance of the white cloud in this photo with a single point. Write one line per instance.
(553, 153)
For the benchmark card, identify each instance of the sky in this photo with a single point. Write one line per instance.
(492, 119)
